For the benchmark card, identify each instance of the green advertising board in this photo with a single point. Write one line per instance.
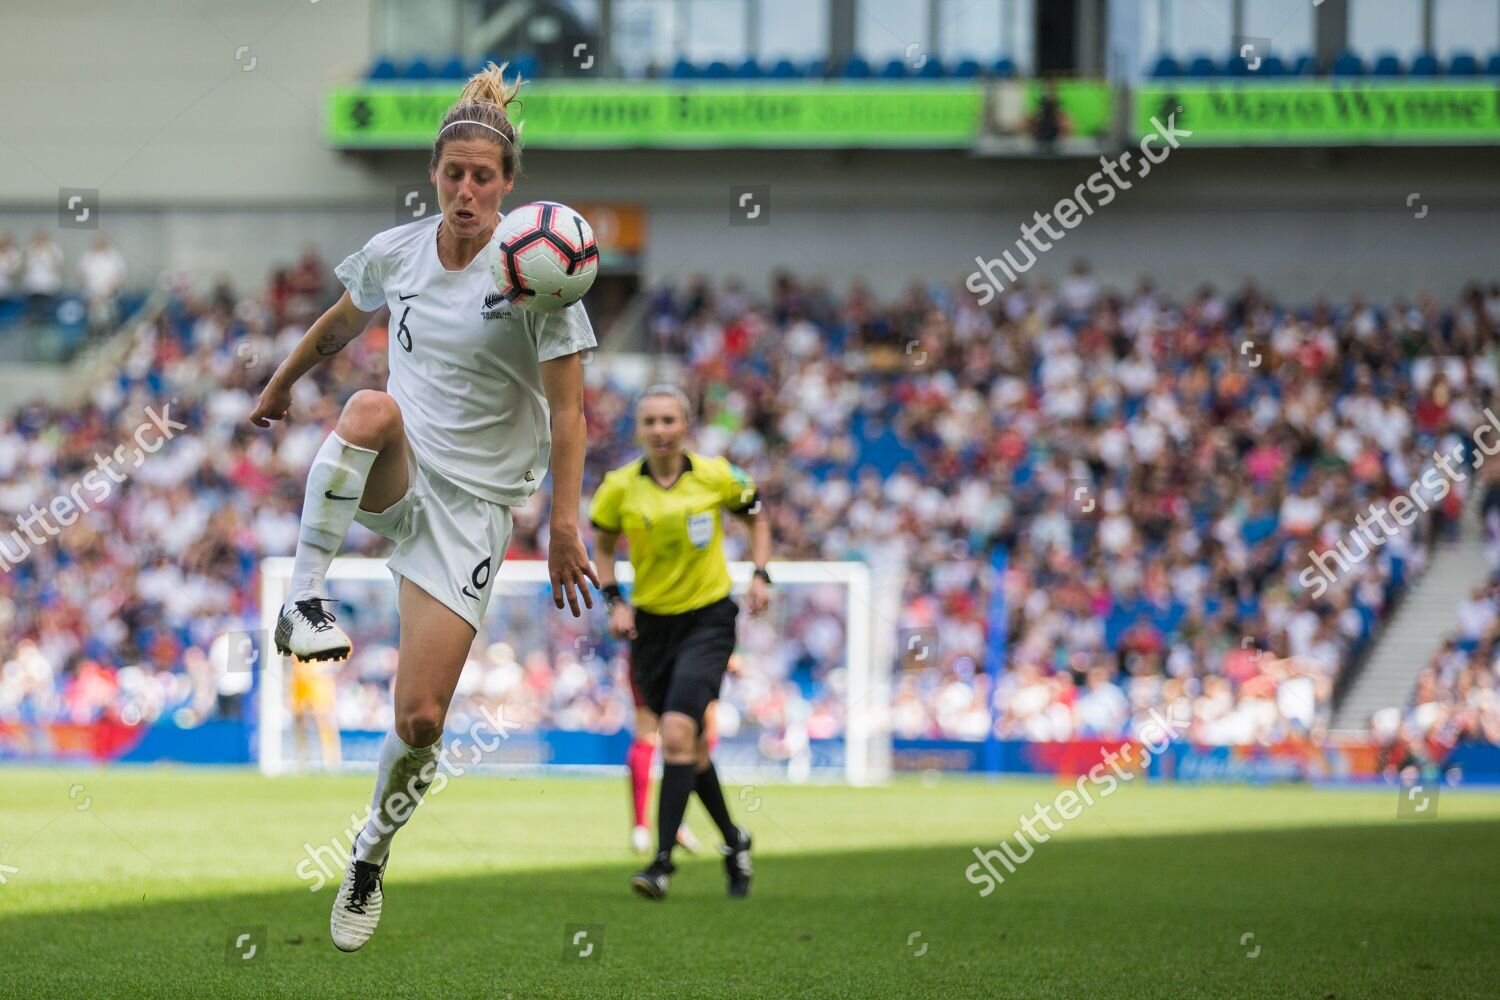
(622, 114)
(1319, 112)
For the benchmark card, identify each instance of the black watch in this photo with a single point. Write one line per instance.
(612, 595)
(760, 571)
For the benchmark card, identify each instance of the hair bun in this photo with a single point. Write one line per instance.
(489, 86)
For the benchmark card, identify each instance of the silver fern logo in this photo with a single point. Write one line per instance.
(495, 306)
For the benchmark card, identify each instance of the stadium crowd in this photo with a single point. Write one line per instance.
(1456, 697)
(1101, 504)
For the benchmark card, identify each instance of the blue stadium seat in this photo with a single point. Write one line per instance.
(1426, 65)
(817, 69)
(1004, 68)
(857, 69)
(895, 69)
(748, 70)
(784, 69)
(932, 69)
(1305, 65)
(683, 70)
(12, 310)
(1463, 64)
(1271, 65)
(968, 69)
(418, 69)
(716, 70)
(383, 69)
(1202, 66)
(1348, 64)
(1492, 68)
(530, 67)
(1166, 68)
(453, 69)
(1238, 65)
(1386, 65)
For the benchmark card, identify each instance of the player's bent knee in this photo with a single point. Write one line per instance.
(421, 726)
(370, 417)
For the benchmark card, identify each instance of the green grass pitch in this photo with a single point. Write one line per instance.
(134, 884)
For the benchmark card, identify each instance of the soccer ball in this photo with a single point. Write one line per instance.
(543, 256)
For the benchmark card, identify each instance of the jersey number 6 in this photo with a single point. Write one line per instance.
(403, 335)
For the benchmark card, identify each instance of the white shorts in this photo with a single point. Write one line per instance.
(448, 541)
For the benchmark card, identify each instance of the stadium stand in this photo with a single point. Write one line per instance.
(385, 69)
(1456, 697)
(1377, 63)
(1216, 440)
(1383, 66)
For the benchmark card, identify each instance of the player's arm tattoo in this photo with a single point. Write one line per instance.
(334, 341)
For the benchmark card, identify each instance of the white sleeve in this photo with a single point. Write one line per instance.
(363, 273)
(563, 333)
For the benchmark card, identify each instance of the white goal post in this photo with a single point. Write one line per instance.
(866, 734)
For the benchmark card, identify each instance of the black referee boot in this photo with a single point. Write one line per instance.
(652, 882)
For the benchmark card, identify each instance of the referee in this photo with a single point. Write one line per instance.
(681, 627)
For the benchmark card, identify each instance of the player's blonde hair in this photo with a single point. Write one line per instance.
(483, 112)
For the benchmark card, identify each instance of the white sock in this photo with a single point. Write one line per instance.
(399, 786)
(339, 468)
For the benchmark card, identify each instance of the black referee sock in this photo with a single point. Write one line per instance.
(711, 794)
(676, 786)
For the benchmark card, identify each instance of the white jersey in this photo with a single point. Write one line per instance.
(464, 363)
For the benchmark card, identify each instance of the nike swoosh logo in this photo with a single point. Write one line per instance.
(334, 496)
(403, 298)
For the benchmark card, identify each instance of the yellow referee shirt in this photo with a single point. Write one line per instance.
(676, 535)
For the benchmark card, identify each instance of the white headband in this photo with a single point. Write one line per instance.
(470, 121)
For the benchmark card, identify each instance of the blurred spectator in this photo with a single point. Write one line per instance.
(10, 268)
(1079, 291)
(1049, 123)
(307, 283)
(41, 275)
(1101, 708)
(102, 271)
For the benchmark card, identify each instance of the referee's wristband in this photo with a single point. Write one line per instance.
(612, 593)
(760, 571)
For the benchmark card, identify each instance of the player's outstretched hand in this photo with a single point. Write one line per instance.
(758, 596)
(568, 565)
(273, 404)
(622, 621)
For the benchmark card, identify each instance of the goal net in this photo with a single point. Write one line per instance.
(544, 690)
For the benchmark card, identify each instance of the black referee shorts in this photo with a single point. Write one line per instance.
(677, 662)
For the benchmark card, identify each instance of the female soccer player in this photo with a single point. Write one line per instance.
(681, 627)
(477, 393)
